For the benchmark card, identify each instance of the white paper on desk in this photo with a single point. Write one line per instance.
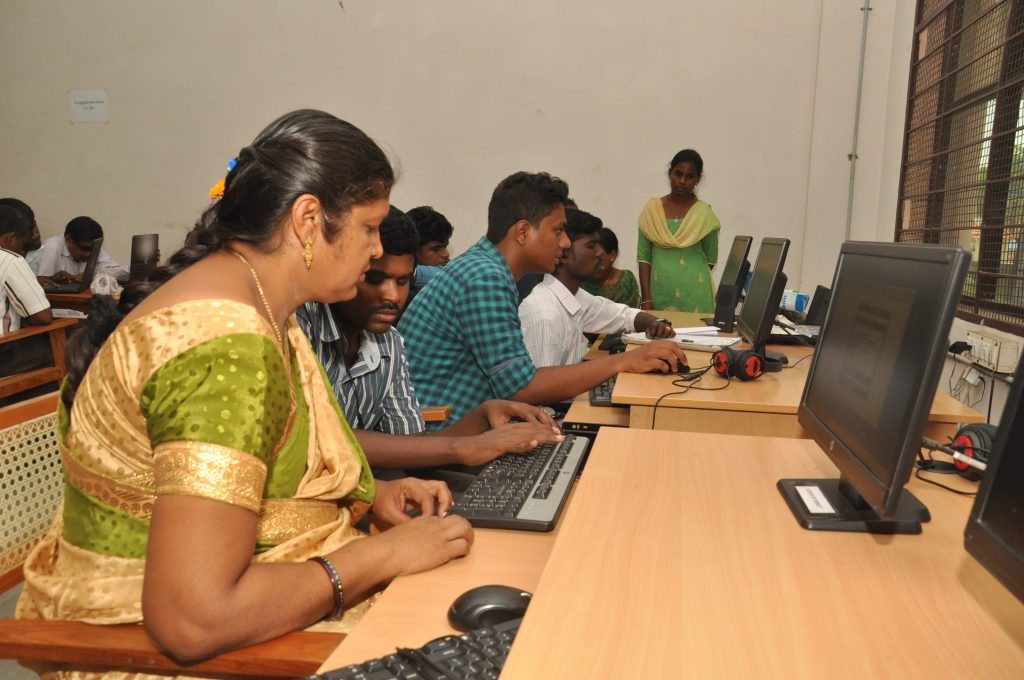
(698, 343)
(88, 106)
(697, 330)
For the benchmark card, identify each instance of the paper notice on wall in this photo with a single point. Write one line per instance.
(88, 106)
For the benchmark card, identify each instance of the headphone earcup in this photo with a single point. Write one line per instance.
(722, 361)
(748, 366)
(974, 441)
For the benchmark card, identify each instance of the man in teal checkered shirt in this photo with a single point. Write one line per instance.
(462, 334)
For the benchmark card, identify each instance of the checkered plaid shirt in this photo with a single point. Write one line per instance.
(462, 334)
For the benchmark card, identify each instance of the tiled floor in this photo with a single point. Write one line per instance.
(10, 670)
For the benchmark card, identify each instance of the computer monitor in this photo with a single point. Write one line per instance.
(995, 530)
(144, 255)
(764, 295)
(872, 382)
(730, 287)
(734, 272)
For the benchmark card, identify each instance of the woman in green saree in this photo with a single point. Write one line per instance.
(212, 486)
(678, 243)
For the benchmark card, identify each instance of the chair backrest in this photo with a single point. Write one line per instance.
(31, 480)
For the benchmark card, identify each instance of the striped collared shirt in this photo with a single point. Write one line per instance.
(20, 292)
(376, 392)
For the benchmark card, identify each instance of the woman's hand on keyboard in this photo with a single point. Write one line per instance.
(511, 438)
(426, 542)
(422, 496)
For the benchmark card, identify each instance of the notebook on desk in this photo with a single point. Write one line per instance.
(698, 343)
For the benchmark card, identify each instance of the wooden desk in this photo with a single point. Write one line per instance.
(764, 407)
(413, 609)
(582, 414)
(75, 301)
(691, 565)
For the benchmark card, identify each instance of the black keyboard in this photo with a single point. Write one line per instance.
(523, 491)
(601, 395)
(480, 654)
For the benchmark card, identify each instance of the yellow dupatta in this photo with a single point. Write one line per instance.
(700, 221)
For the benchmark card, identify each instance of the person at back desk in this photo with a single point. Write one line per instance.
(557, 313)
(462, 332)
(22, 300)
(63, 258)
(366, 366)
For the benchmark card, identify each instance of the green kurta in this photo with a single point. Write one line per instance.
(681, 277)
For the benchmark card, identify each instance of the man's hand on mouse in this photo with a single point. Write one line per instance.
(660, 355)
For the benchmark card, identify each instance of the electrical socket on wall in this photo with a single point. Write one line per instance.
(993, 353)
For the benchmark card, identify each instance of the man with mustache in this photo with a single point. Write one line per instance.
(557, 312)
(365, 363)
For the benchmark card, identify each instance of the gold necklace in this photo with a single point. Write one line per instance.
(263, 297)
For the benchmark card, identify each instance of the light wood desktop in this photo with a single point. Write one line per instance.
(414, 608)
(764, 407)
(691, 565)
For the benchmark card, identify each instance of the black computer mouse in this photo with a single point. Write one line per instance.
(487, 606)
(681, 369)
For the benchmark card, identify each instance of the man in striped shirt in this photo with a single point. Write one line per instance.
(364, 359)
(22, 300)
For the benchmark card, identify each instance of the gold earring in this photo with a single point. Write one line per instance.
(307, 252)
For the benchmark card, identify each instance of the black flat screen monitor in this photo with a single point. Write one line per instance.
(872, 382)
(995, 530)
(734, 273)
(144, 255)
(763, 298)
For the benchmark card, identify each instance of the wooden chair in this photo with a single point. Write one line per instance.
(435, 414)
(20, 382)
(31, 492)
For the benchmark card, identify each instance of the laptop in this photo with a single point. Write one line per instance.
(90, 271)
(144, 257)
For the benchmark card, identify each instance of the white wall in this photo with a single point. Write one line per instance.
(463, 93)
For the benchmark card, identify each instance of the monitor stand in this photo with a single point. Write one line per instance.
(773, 361)
(833, 505)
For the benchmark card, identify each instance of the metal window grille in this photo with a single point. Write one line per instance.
(962, 180)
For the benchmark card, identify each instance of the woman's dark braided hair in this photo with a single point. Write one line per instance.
(303, 152)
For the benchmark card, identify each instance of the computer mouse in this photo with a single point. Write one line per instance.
(681, 369)
(487, 606)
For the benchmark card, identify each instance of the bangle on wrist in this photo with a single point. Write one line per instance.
(336, 586)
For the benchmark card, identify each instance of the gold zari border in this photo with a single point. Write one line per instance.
(209, 471)
(130, 499)
(282, 519)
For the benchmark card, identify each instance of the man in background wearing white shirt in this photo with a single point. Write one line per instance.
(22, 301)
(557, 312)
(64, 257)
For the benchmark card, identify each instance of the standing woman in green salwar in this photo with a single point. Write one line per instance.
(678, 243)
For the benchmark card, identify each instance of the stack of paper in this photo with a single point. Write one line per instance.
(700, 342)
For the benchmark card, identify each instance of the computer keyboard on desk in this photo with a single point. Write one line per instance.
(601, 395)
(523, 491)
(479, 654)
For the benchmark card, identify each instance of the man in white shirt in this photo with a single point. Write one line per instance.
(557, 312)
(64, 257)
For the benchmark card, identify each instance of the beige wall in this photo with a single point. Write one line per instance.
(462, 93)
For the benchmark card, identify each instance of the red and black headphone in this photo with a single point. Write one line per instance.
(744, 364)
(974, 441)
